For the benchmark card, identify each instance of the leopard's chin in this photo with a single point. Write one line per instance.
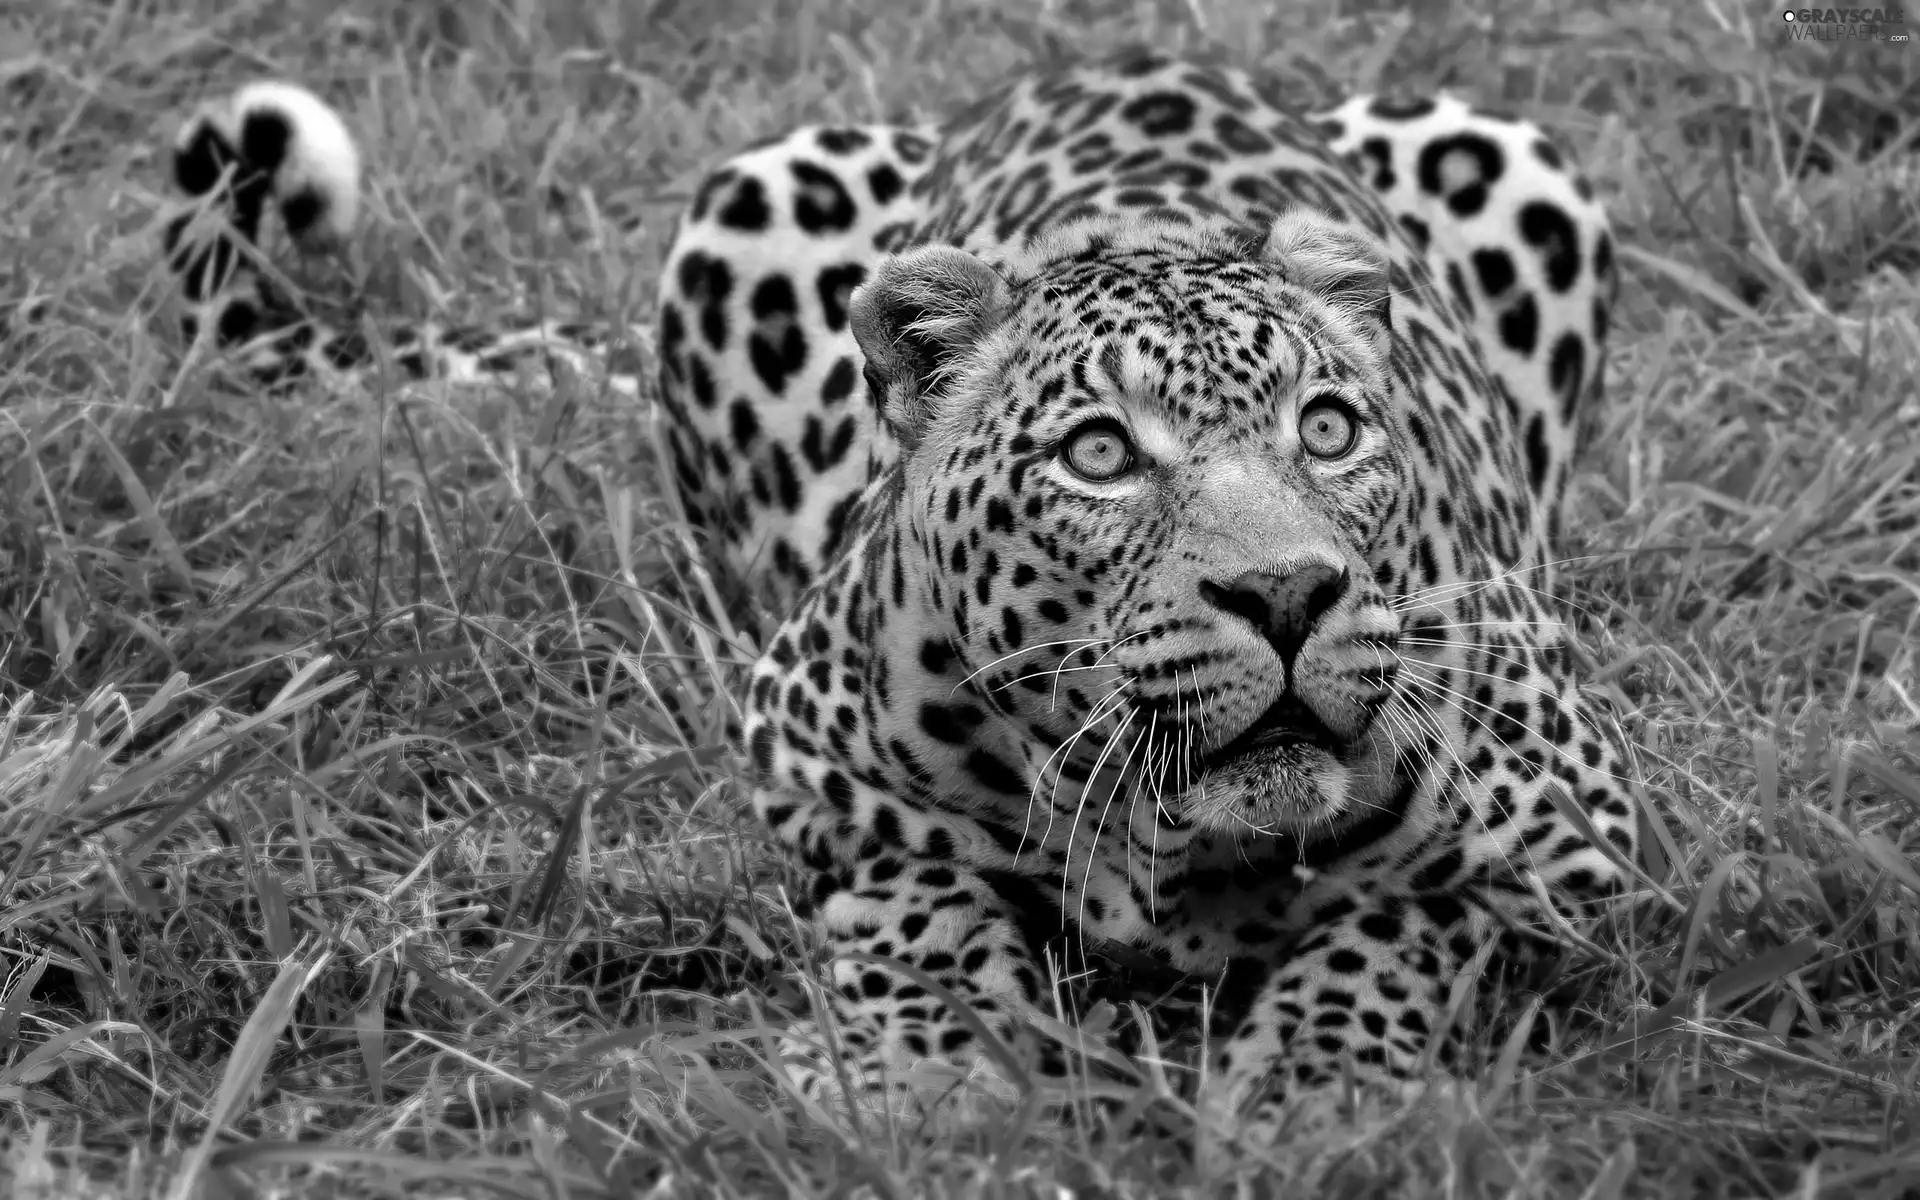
(1277, 786)
(1288, 772)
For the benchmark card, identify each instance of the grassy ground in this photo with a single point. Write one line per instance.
(348, 845)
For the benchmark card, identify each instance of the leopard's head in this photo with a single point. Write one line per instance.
(1149, 469)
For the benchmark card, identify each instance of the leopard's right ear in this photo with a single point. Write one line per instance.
(918, 318)
(1338, 264)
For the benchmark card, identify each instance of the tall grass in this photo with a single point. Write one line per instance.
(366, 822)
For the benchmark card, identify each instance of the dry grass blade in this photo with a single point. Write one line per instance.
(1611, 1182)
(156, 525)
(38, 1063)
(1759, 971)
(248, 1061)
(484, 1177)
(1691, 278)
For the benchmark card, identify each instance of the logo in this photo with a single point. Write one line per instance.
(1846, 25)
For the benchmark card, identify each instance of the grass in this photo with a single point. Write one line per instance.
(366, 826)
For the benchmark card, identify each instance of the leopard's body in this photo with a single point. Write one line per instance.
(1159, 489)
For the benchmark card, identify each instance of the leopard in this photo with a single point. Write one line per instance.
(1162, 485)
(1152, 487)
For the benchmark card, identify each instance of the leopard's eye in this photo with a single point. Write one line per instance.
(1098, 451)
(1328, 428)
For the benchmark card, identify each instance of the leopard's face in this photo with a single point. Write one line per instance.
(1144, 509)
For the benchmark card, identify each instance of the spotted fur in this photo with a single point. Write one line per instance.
(1283, 692)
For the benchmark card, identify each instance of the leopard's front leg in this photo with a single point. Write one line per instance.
(1365, 990)
(911, 898)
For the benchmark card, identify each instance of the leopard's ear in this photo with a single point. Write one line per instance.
(917, 319)
(1339, 264)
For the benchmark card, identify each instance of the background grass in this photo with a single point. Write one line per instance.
(365, 822)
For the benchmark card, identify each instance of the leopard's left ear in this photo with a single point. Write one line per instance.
(1339, 264)
(917, 317)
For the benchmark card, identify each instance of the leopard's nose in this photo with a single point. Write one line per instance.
(1284, 606)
